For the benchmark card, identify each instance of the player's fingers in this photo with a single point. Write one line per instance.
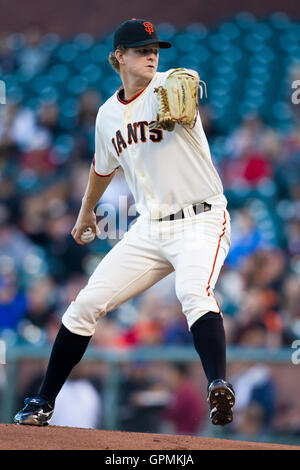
(76, 234)
(78, 240)
(95, 229)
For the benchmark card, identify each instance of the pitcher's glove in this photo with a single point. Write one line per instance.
(177, 100)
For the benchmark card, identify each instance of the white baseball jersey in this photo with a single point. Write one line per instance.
(165, 171)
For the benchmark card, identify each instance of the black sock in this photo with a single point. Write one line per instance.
(67, 351)
(210, 343)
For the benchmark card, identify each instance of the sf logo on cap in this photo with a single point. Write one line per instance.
(148, 27)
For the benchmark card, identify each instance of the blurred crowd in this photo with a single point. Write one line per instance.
(44, 167)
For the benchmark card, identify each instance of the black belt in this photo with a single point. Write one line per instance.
(197, 208)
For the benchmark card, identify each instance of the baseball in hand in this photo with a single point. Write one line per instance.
(87, 236)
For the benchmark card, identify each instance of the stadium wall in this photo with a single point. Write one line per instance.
(99, 17)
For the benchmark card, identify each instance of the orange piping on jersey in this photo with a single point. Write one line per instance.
(132, 99)
(218, 307)
(98, 174)
(215, 259)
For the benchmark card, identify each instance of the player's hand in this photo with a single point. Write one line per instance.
(85, 220)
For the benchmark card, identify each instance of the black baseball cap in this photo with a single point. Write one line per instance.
(134, 33)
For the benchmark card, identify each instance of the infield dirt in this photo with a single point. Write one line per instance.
(17, 437)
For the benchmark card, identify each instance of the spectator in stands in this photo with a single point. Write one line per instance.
(142, 399)
(175, 330)
(41, 301)
(290, 309)
(258, 323)
(79, 403)
(251, 335)
(208, 122)
(64, 256)
(255, 400)
(85, 139)
(248, 149)
(48, 118)
(7, 55)
(17, 126)
(14, 246)
(32, 217)
(111, 335)
(265, 268)
(245, 238)
(293, 231)
(39, 158)
(185, 409)
(12, 302)
(249, 136)
(32, 58)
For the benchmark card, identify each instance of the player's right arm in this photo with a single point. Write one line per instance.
(87, 218)
(101, 174)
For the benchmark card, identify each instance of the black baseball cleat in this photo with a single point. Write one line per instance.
(221, 398)
(36, 412)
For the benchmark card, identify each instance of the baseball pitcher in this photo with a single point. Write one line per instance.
(150, 127)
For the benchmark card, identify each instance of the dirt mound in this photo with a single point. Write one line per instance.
(16, 437)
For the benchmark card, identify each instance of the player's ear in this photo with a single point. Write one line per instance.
(119, 56)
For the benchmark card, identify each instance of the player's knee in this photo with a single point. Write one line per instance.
(196, 302)
(190, 293)
(193, 315)
(83, 313)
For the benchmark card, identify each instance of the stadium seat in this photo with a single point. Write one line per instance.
(262, 51)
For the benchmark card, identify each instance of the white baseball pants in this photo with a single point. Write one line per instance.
(195, 247)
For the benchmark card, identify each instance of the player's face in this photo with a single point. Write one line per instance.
(141, 61)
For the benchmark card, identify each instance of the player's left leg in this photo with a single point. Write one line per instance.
(198, 254)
